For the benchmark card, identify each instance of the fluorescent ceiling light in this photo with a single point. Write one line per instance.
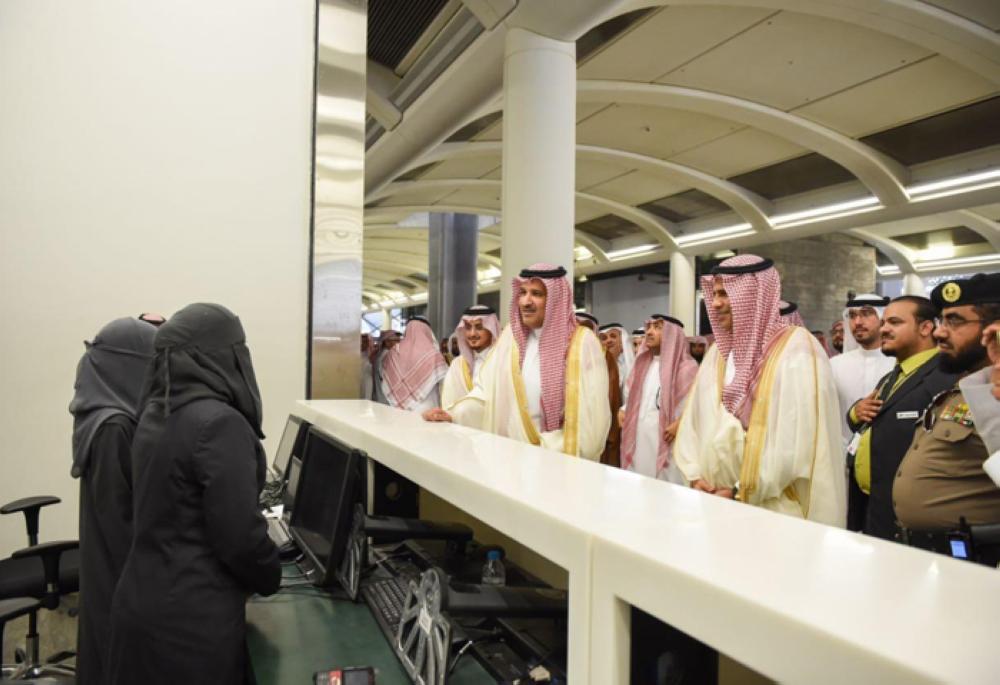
(490, 273)
(715, 234)
(834, 211)
(954, 186)
(632, 251)
(580, 253)
(977, 260)
(890, 270)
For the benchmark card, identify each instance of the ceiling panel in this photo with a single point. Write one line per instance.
(636, 188)
(492, 132)
(609, 227)
(985, 12)
(585, 211)
(740, 152)
(592, 172)
(495, 175)
(474, 197)
(792, 59)
(586, 109)
(414, 197)
(667, 40)
(463, 168)
(653, 131)
(913, 92)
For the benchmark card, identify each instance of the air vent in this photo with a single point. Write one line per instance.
(394, 27)
(609, 227)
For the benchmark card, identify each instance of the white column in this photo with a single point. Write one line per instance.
(386, 320)
(913, 285)
(682, 290)
(539, 154)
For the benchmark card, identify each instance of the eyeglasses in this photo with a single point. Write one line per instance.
(952, 322)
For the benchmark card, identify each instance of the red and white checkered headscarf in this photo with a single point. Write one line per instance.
(793, 315)
(753, 298)
(553, 340)
(413, 367)
(677, 373)
(490, 323)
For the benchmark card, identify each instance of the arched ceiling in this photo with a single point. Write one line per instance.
(706, 124)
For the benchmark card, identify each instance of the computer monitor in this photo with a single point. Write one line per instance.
(331, 482)
(292, 442)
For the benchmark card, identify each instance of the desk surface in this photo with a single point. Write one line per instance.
(803, 588)
(301, 630)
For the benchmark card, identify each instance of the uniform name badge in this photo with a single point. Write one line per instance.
(904, 415)
(852, 447)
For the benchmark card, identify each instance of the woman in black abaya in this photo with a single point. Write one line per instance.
(109, 381)
(200, 542)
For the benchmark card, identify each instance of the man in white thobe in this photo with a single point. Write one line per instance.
(762, 423)
(660, 381)
(546, 381)
(413, 369)
(858, 369)
(615, 338)
(477, 331)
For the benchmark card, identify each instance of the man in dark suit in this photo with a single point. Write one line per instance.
(885, 421)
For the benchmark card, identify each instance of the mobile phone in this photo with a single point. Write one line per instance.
(960, 545)
(352, 675)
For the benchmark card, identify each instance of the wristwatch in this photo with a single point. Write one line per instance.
(736, 491)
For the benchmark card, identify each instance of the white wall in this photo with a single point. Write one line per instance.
(629, 301)
(151, 155)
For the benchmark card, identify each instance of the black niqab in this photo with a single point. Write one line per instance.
(109, 381)
(201, 353)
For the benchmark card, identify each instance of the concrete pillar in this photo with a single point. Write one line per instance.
(682, 290)
(386, 320)
(539, 154)
(453, 257)
(913, 285)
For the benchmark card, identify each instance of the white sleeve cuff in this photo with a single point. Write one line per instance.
(992, 467)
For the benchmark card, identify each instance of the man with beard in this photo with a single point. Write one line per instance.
(856, 372)
(760, 424)
(884, 421)
(862, 363)
(837, 337)
(477, 331)
(611, 455)
(614, 337)
(697, 346)
(657, 387)
(941, 479)
(638, 336)
(546, 382)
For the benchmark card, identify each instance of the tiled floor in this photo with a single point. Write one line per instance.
(57, 630)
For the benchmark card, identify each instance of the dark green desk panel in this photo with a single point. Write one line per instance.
(299, 631)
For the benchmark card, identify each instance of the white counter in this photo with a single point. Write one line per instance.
(796, 601)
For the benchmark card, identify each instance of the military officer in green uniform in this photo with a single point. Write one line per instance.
(941, 479)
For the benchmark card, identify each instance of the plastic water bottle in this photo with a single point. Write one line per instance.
(493, 570)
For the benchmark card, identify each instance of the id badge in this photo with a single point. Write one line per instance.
(852, 447)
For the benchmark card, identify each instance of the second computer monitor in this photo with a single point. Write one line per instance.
(331, 482)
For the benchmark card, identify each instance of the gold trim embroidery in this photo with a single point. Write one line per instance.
(757, 430)
(466, 374)
(571, 414)
(521, 396)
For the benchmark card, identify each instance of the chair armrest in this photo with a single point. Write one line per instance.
(30, 507)
(49, 552)
(17, 607)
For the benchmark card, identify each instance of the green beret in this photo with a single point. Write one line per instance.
(980, 289)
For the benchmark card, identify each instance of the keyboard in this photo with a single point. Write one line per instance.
(387, 598)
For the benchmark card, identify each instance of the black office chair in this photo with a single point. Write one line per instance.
(42, 573)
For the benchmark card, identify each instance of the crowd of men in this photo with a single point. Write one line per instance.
(883, 424)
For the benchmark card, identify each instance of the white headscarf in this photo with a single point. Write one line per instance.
(627, 358)
(877, 302)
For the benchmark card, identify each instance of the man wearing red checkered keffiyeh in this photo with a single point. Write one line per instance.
(545, 382)
(761, 424)
(414, 368)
